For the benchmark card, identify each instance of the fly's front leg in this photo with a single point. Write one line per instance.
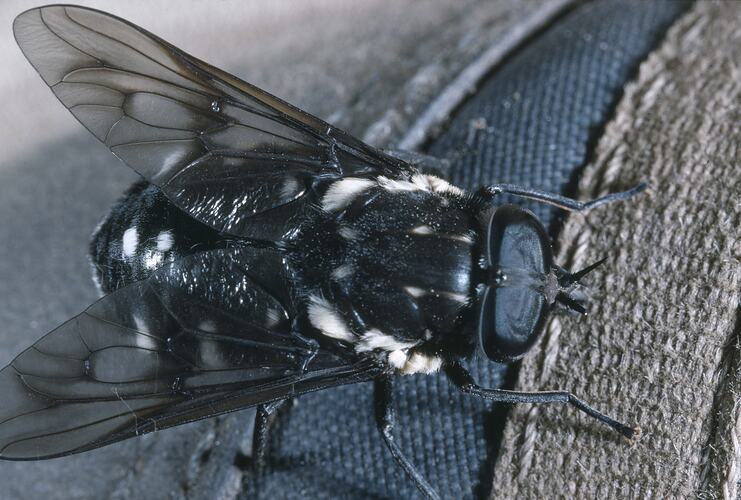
(430, 165)
(562, 201)
(386, 420)
(460, 377)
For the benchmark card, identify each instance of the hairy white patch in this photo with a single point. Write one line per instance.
(418, 182)
(130, 241)
(424, 230)
(165, 241)
(326, 319)
(144, 341)
(457, 297)
(397, 359)
(207, 326)
(465, 238)
(415, 291)
(376, 339)
(342, 272)
(422, 182)
(421, 363)
(341, 193)
(272, 317)
(348, 233)
(141, 325)
(142, 337)
(153, 259)
(209, 354)
(289, 188)
(439, 185)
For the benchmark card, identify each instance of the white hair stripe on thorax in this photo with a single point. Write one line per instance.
(418, 182)
(326, 319)
(442, 186)
(421, 363)
(376, 339)
(341, 193)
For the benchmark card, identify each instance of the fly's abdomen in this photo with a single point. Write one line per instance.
(142, 232)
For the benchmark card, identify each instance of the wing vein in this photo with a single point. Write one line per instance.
(153, 37)
(46, 25)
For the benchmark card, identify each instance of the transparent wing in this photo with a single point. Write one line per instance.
(181, 345)
(229, 154)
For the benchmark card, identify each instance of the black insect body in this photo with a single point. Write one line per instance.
(265, 254)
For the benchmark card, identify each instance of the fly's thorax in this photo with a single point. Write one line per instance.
(387, 267)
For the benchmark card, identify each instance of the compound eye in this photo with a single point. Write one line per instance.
(513, 306)
(511, 319)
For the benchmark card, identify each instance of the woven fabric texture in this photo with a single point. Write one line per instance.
(661, 346)
(531, 122)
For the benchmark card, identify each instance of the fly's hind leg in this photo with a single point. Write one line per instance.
(264, 420)
(429, 165)
(385, 420)
(267, 413)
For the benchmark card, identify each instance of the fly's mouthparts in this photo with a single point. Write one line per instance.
(569, 284)
(498, 278)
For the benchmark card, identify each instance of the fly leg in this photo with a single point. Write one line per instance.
(264, 420)
(430, 165)
(385, 420)
(562, 201)
(267, 413)
(460, 377)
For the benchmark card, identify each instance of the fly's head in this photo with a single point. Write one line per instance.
(521, 284)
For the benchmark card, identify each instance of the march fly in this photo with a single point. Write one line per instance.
(263, 255)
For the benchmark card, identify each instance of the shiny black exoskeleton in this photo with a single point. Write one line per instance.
(265, 254)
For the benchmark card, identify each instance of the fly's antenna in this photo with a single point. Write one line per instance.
(570, 279)
(565, 282)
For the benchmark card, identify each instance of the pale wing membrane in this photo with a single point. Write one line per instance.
(184, 344)
(222, 150)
